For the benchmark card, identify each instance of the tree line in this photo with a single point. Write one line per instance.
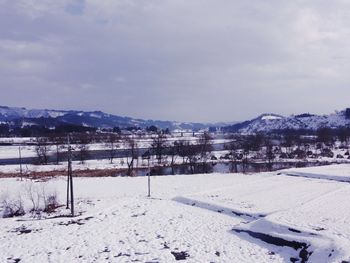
(162, 149)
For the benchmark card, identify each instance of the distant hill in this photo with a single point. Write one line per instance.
(21, 117)
(305, 121)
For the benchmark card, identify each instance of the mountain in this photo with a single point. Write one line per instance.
(12, 113)
(21, 117)
(305, 121)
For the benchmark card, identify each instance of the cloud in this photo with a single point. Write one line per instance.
(75, 7)
(199, 60)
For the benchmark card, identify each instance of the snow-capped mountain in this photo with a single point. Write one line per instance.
(306, 121)
(12, 113)
(16, 116)
(21, 117)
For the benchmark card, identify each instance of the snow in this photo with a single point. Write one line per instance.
(271, 117)
(15, 112)
(76, 165)
(339, 172)
(272, 122)
(12, 151)
(95, 115)
(202, 215)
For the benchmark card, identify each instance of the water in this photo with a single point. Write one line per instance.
(218, 168)
(92, 155)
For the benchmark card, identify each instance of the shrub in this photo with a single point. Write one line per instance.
(13, 208)
(34, 196)
(51, 203)
(327, 153)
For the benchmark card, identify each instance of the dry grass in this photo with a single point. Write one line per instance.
(76, 173)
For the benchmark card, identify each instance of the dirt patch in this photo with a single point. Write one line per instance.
(79, 222)
(180, 255)
(24, 230)
(13, 260)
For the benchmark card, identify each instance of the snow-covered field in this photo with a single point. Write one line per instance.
(267, 217)
(12, 151)
(339, 172)
(118, 163)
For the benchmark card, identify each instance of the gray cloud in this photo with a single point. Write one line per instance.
(198, 60)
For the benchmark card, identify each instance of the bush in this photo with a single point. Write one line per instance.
(327, 153)
(41, 200)
(37, 201)
(51, 203)
(284, 156)
(34, 196)
(13, 208)
(300, 153)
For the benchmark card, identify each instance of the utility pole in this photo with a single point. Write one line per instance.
(68, 171)
(149, 179)
(70, 194)
(20, 162)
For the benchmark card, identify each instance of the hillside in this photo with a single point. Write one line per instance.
(306, 121)
(21, 117)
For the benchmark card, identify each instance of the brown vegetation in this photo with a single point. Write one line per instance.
(76, 173)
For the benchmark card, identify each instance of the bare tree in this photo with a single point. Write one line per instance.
(158, 146)
(256, 141)
(146, 156)
(174, 150)
(112, 144)
(343, 136)
(192, 152)
(20, 162)
(246, 151)
(34, 195)
(325, 136)
(290, 139)
(58, 142)
(181, 149)
(42, 150)
(83, 147)
(205, 148)
(132, 155)
(232, 147)
(270, 156)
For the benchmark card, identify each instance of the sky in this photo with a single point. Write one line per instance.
(185, 60)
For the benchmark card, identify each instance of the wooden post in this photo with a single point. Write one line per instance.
(68, 173)
(20, 162)
(149, 179)
(70, 192)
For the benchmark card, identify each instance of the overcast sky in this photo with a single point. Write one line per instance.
(188, 60)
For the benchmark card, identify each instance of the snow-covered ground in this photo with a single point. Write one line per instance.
(7, 152)
(118, 163)
(12, 151)
(268, 217)
(339, 172)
